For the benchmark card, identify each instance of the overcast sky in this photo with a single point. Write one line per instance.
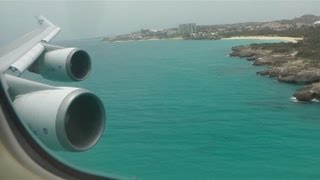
(88, 19)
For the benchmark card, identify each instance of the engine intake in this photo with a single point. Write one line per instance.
(63, 64)
(78, 65)
(80, 121)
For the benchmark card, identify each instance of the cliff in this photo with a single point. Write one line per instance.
(296, 63)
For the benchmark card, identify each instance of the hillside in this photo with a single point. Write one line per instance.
(293, 28)
(296, 27)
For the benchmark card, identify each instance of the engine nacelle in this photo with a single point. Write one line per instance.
(63, 64)
(69, 118)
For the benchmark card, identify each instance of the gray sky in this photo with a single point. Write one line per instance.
(85, 19)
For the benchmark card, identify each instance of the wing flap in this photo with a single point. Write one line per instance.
(25, 61)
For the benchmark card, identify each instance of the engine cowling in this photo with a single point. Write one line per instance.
(63, 118)
(63, 64)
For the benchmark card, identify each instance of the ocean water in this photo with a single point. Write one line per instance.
(185, 110)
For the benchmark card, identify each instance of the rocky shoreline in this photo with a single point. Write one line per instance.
(286, 67)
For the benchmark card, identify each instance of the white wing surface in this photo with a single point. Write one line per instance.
(21, 53)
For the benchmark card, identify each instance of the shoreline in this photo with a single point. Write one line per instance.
(284, 38)
(151, 39)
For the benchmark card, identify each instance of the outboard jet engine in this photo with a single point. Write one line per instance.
(62, 64)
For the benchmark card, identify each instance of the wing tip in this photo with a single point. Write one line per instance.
(42, 20)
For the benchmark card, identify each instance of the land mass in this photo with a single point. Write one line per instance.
(296, 60)
(297, 63)
(280, 28)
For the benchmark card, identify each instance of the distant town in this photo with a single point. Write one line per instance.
(296, 62)
(191, 31)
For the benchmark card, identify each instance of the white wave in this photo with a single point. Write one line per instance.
(294, 99)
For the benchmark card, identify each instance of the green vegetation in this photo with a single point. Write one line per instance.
(308, 48)
(291, 32)
(296, 27)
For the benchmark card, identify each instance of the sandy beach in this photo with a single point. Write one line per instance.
(282, 38)
(288, 39)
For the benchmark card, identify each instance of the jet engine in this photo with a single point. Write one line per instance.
(62, 64)
(61, 117)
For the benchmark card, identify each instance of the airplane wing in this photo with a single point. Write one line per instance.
(21, 53)
(62, 118)
(48, 109)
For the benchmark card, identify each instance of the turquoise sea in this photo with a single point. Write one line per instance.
(185, 110)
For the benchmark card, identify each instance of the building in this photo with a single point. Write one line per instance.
(187, 29)
(317, 23)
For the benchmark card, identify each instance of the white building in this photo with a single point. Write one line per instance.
(317, 23)
(187, 29)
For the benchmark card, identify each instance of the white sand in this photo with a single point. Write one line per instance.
(288, 39)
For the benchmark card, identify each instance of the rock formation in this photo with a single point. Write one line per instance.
(285, 67)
